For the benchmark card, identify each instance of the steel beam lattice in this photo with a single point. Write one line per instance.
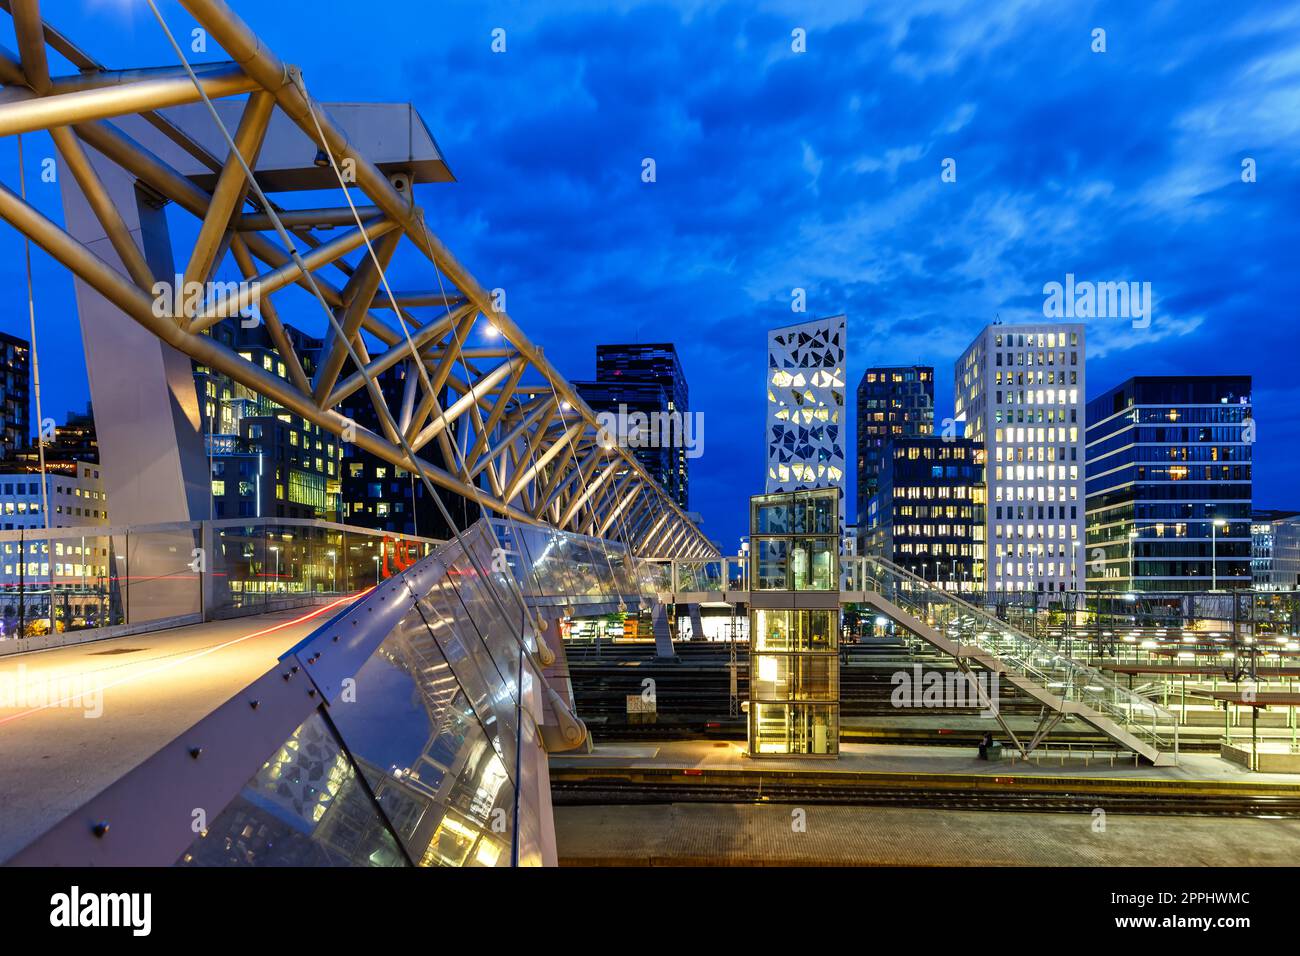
(513, 434)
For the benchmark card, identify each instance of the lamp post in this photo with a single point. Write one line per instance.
(1074, 560)
(334, 569)
(275, 549)
(1215, 525)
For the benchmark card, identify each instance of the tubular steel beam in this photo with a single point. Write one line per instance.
(555, 466)
(231, 188)
(109, 216)
(82, 106)
(31, 43)
(246, 49)
(138, 305)
(397, 353)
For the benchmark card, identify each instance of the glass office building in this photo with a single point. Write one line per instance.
(648, 378)
(15, 395)
(928, 514)
(893, 402)
(1275, 550)
(794, 706)
(1169, 484)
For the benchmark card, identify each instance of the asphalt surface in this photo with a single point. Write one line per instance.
(75, 719)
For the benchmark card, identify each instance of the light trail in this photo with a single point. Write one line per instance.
(191, 657)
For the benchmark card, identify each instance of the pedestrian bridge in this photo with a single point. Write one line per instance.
(403, 720)
(405, 725)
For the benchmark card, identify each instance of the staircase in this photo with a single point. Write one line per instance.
(1063, 684)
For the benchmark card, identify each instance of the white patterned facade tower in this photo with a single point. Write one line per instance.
(805, 405)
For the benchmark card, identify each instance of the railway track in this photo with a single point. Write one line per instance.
(693, 696)
(615, 791)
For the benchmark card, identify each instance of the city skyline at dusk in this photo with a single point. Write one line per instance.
(1126, 165)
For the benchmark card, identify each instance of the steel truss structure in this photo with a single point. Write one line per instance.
(514, 435)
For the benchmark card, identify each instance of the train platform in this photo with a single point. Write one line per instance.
(880, 728)
(867, 762)
(699, 834)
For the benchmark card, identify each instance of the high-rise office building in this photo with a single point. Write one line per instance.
(1020, 391)
(1169, 484)
(380, 495)
(648, 379)
(79, 567)
(893, 402)
(73, 444)
(15, 396)
(805, 406)
(928, 512)
(266, 462)
(638, 413)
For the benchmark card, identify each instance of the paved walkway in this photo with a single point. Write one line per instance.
(889, 758)
(75, 719)
(765, 835)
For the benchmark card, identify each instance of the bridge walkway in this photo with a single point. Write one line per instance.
(75, 719)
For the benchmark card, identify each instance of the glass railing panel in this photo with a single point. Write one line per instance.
(427, 753)
(699, 575)
(556, 567)
(306, 806)
(656, 577)
(59, 582)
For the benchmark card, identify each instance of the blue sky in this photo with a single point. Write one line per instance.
(818, 170)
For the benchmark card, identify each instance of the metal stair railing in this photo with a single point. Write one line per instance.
(1060, 674)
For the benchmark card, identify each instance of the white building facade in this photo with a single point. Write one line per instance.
(805, 406)
(1020, 390)
(26, 565)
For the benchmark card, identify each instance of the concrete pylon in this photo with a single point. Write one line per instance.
(147, 416)
(697, 624)
(663, 633)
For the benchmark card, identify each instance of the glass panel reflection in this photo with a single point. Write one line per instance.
(306, 806)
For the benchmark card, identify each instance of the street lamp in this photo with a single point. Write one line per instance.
(334, 569)
(1215, 525)
(1074, 560)
(276, 550)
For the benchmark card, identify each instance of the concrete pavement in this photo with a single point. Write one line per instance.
(693, 834)
(891, 758)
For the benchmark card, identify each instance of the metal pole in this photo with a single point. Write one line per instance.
(1214, 556)
(22, 582)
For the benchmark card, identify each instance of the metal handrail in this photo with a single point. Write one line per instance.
(1125, 705)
